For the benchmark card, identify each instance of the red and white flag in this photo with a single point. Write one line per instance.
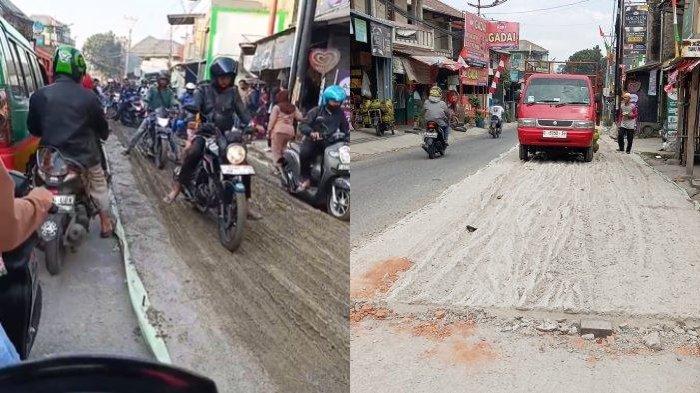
(497, 76)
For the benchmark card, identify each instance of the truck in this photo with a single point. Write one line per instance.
(557, 109)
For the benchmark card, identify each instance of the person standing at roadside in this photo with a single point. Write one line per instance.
(281, 125)
(627, 123)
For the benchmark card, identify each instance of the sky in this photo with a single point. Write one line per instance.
(97, 16)
(563, 30)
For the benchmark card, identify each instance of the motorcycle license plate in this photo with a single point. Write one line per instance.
(64, 202)
(560, 134)
(237, 170)
(343, 167)
(430, 134)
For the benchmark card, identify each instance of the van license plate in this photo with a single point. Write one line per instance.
(554, 134)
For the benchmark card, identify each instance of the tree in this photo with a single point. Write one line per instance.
(594, 55)
(105, 53)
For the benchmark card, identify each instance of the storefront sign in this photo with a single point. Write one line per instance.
(690, 48)
(503, 35)
(635, 37)
(475, 50)
(474, 76)
(282, 56)
(671, 114)
(381, 40)
(360, 30)
(323, 60)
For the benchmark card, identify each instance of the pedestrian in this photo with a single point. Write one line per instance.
(627, 123)
(244, 89)
(281, 127)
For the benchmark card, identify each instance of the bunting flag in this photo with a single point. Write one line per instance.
(497, 75)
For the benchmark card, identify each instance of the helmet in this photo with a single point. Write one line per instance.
(435, 91)
(190, 86)
(110, 80)
(223, 66)
(69, 61)
(334, 93)
(164, 75)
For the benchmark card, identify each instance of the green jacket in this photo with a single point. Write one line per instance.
(160, 98)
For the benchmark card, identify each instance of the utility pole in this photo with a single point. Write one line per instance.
(133, 21)
(273, 16)
(301, 5)
(303, 37)
(478, 5)
(620, 37)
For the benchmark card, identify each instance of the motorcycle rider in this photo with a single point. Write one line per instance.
(333, 118)
(497, 110)
(437, 110)
(159, 96)
(187, 97)
(218, 101)
(69, 118)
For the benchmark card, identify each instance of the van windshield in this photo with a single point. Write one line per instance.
(560, 91)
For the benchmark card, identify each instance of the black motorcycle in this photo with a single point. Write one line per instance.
(100, 374)
(217, 184)
(434, 140)
(159, 141)
(133, 113)
(20, 291)
(111, 106)
(495, 127)
(67, 228)
(330, 175)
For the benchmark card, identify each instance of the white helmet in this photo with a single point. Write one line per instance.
(190, 86)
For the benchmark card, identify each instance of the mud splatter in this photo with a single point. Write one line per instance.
(379, 279)
(461, 352)
(366, 310)
(439, 331)
(688, 350)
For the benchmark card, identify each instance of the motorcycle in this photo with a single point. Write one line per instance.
(89, 373)
(158, 140)
(330, 175)
(134, 112)
(111, 106)
(495, 127)
(217, 184)
(434, 140)
(67, 227)
(20, 291)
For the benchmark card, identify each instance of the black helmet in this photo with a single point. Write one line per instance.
(223, 66)
(164, 75)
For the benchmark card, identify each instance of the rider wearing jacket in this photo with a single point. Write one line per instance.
(159, 96)
(316, 133)
(219, 102)
(70, 118)
(437, 110)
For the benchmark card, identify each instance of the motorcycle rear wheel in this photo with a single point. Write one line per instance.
(231, 233)
(55, 253)
(340, 209)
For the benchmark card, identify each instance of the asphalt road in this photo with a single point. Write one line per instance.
(86, 307)
(388, 187)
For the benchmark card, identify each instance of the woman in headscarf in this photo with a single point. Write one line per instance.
(281, 125)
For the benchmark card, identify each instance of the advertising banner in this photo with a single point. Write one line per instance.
(635, 37)
(475, 76)
(503, 35)
(381, 40)
(475, 51)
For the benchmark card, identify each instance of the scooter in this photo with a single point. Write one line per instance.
(20, 291)
(330, 175)
(88, 373)
(434, 140)
(495, 127)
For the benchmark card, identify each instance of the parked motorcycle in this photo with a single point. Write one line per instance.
(495, 127)
(134, 113)
(20, 291)
(433, 140)
(67, 228)
(217, 184)
(330, 175)
(88, 373)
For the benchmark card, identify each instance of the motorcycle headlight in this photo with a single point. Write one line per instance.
(235, 154)
(344, 154)
(527, 122)
(582, 124)
(163, 121)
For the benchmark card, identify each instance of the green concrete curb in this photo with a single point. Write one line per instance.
(138, 294)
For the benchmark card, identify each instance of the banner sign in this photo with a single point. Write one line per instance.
(381, 40)
(635, 36)
(475, 50)
(360, 30)
(503, 35)
(475, 76)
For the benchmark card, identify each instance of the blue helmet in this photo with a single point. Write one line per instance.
(334, 93)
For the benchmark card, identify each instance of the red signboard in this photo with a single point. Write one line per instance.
(503, 35)
(475, 50)
(474, 76)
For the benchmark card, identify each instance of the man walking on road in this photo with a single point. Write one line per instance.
(627, 124)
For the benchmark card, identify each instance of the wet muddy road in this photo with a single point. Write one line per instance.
(283, 295)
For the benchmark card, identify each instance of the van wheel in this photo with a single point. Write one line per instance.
(524, 153)
(588, 154)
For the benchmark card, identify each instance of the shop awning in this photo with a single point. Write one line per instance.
(683, 66)
(646, 67)
(439, 61)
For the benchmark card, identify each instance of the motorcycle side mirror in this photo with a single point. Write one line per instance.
(101, 374)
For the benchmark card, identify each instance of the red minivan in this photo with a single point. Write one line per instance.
(557, 112)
